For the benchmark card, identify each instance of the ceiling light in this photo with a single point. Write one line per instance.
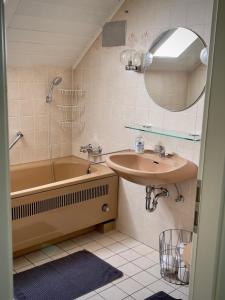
(204, 56)
(176, 44)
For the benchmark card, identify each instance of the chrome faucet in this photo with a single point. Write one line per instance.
(92, 150)
(161, 150)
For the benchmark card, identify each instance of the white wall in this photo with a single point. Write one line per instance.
(115, 97)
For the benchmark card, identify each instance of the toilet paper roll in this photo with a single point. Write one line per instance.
(169, 263)
(183, 273)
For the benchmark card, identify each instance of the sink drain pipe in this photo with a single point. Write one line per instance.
(153, 194)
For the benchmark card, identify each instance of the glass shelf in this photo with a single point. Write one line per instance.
(159, 131)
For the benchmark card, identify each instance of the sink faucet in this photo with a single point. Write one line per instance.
(161, 150)
(92, 150)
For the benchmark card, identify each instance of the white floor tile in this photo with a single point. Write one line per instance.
(58, 256)
(82, 240)
(184, 289)
(130, 243)
(108, 233)
(66, 245)
(155, 270)
(142, 294)
(42, 262)
(36, 256)
(121, 251)
(86, 296)
(73, 250)
(175, 286)
(143, 262)
(144, 278)
(120, 279)
(129, 286)
(130, 269)
(52, 251)
(143, 249)
(105, 241)
(20, 262)
(160, 286)
(92, 246)
(24, 268)
(154, 256)
(116, 261)
(96, 297)
(177, 294)
(118, 236)
(94, 235)
(104, 253)
(113, 293)
(117, 247)
(104, 287)
(130, 254)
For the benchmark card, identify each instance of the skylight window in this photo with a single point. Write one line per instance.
(176, 44)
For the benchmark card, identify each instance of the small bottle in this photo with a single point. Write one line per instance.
(139, 144)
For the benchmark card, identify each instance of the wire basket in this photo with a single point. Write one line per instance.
(171, 247)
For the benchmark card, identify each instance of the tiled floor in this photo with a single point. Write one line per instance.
(138, 262)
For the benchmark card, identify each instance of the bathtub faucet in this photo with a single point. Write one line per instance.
(92, 150)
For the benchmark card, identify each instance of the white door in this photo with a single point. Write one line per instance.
(208, 269)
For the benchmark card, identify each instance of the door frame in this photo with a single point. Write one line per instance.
(6, 281)
(208, 268)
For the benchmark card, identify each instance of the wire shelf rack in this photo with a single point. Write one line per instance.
(69, 124)
(71, 109)
(68, 92)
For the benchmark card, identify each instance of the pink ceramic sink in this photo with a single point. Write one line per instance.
(150, 169)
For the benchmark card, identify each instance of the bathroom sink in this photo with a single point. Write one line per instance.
(150, 169)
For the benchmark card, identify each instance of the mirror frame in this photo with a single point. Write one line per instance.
(152, 45)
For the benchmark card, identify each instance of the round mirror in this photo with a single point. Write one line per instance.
(175, 69)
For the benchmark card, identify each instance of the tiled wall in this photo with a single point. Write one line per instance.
(115, 97)
(29, 113)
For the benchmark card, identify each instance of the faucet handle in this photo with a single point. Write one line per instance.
(85, 148)
(160, 149)
(96, 149)
(91, 149)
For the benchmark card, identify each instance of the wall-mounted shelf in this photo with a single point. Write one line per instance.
(71, 108)
(69, 124)
(159, 131)
(67, 92)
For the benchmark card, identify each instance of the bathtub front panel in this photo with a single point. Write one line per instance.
(44, 216)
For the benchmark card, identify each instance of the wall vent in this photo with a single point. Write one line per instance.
(114, 34)
(41, 206)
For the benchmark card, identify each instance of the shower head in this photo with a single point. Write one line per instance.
(56, 81)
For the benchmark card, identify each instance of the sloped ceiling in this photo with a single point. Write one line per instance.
(54, 32)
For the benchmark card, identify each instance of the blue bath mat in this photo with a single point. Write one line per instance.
(64, 279)
(161, 296)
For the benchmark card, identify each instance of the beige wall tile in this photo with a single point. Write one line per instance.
(115, 97)
(29, 113)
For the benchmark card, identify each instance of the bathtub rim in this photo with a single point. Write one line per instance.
(100, 171)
